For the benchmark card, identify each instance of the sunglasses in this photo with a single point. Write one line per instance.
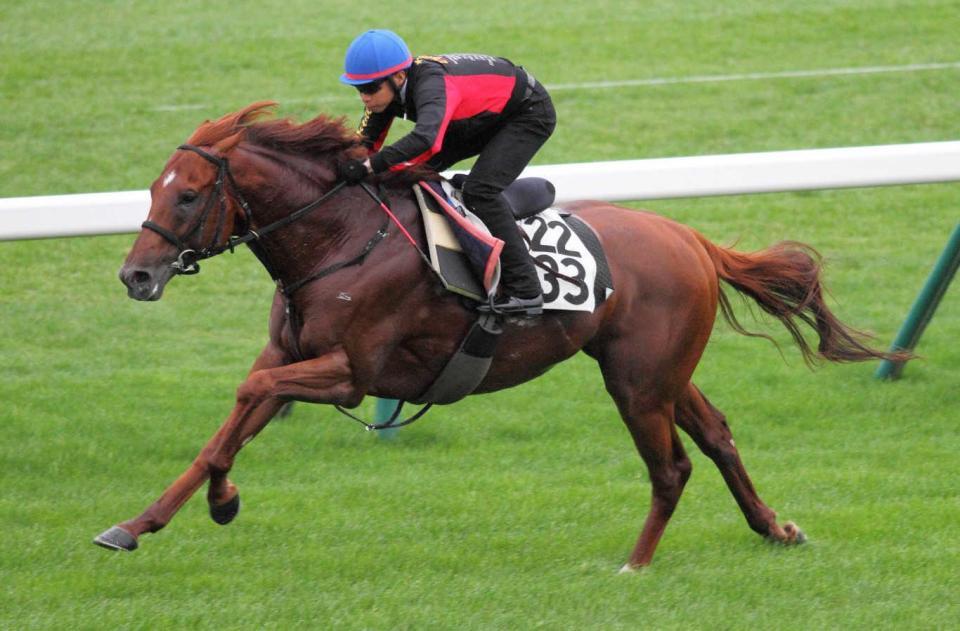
(370, 88)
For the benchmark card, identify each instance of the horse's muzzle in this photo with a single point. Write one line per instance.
(143, 283)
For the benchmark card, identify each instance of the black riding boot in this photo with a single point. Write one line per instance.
(520, 285)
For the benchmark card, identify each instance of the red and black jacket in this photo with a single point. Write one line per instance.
(457, 97)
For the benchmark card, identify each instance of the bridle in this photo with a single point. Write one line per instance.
(187, 257)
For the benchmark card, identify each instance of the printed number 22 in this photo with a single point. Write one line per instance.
(543, 226)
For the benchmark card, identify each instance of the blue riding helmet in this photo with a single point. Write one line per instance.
(373, 55)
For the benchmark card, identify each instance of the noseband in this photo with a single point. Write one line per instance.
(188, 258)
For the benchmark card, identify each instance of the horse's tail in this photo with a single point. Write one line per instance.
(785, 280)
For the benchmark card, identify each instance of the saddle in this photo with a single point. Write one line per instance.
(525, 197)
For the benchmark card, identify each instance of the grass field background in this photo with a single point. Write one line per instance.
(511, 510)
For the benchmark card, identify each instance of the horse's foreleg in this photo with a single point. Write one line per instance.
(222, 495)
(325, 379)
(708, 427)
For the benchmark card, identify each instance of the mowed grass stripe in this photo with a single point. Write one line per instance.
(630, 83)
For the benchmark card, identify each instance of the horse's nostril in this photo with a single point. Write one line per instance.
(140, 277)
(143, 283)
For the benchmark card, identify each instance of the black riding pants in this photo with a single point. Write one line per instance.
(502, 154)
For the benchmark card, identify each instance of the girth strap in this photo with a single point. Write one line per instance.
(469, 365)
(460, 377)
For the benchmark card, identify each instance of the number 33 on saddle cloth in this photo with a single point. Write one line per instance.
(570, 262)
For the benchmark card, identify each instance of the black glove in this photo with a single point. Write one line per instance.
(353, 171)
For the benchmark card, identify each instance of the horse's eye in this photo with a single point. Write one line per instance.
(186, 198)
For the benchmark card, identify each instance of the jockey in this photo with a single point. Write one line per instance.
(464, 105)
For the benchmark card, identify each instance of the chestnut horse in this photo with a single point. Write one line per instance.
(357, 312)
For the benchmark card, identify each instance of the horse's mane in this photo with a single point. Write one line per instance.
(321, 137)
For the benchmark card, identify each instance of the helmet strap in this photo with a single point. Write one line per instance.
(396, 89)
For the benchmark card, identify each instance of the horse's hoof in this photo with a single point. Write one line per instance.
(794, 534)
(793, 531)
(630, 568)
(224, 513)
(116, 538)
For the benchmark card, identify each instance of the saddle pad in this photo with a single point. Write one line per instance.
(464, 254)
(571, 264)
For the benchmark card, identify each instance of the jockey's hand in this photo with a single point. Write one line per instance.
(353, 171)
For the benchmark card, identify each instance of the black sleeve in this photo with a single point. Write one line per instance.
(431, 101)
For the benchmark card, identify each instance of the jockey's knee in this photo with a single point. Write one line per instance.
(479, 193)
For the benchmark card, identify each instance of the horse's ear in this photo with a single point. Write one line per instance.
(224, 146)
(255, 111)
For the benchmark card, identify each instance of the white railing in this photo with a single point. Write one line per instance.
(734, 174)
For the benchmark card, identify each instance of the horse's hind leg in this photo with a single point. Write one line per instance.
(649, 418)
(708, 427)
(669, 467)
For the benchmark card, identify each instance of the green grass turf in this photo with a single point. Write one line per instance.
(512, 510)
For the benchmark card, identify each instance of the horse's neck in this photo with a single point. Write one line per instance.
(336, 230)
(274, 191)
(294, 250)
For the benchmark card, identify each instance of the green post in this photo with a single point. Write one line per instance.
(385, 409)
(924, 306)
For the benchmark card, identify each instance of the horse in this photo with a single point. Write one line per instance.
(357, 313)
